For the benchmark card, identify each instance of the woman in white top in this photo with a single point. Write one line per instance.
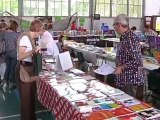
(26, 49)
(48, 41)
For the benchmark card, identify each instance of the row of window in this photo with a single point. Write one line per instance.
(106, 8)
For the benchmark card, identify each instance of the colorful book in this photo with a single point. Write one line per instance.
(130, 102)
(81, 103)
(104, 106)
(140, 107)
(100, 115)
(104, 100)
(121, 111)
(114, 105)
(121, 97)
(130, 117)
(150, 114)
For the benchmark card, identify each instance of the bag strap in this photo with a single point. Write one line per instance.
(30, 39)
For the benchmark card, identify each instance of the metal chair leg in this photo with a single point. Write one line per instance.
(148, 96)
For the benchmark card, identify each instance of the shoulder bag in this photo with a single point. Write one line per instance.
(26, 72)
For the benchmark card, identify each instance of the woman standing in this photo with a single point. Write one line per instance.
(25, 50)
(3, 28)
(10, 37)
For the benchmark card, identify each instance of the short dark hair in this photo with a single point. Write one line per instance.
(13, 26)
(36, 26)
(49, 26)
(147, 26)
(134, 28)
(3, 25)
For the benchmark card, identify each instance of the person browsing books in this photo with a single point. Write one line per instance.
(129, 66)
(48, 42)
(25, 52)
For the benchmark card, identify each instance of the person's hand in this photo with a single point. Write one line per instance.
(38, 49)
(119, 69)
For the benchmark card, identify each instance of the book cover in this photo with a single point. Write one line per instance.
(114, 105)
(130, 117)
(121, 111)
(100, 115)
(140, 107)
(81, 103)
(121, 97)
(150, 114)
(104, 100)
(130, 102)
(104, 106)
(113, 92)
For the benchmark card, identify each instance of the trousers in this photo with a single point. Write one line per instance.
(134, 91)
(27, 92)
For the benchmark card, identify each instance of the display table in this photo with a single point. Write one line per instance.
(59, 106)
(92, 40)
(91, 54)
(73, 96)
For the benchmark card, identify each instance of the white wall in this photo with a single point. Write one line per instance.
(152, 7)
(132, 22)
(97, 23)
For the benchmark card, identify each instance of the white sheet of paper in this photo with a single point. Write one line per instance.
(49, 60)
(63, 61)
(150, 66)
(104, 70)
(77, 71)
(58, 64)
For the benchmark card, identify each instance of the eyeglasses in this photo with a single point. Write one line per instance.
(114, 24)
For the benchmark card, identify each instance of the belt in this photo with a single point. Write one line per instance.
(25, 63)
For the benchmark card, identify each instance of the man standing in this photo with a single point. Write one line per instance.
(129, 66)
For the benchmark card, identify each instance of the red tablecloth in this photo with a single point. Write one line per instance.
(58, 105)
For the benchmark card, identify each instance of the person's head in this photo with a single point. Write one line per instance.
(13, 25)
(74, 22)
(3, 26)
(121, 23)
(36, 27)
(49, 26)
(60, 38)
(146, 28)
(134, 28)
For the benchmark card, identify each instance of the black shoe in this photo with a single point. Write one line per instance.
(0, 80)
(2, 83)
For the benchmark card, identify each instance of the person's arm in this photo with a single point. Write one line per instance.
(22, 54)
(133, 50)
(24, 43)
(153, 32)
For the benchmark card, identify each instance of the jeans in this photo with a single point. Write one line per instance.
(2, 70)
(11, 61)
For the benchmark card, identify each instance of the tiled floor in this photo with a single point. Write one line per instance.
(9, 106)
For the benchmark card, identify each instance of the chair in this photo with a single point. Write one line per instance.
(59, 47)
(80, 59)
(110, 80)
(154, 86)
(85, 67)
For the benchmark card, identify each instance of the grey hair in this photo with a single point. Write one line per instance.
(123, 19)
